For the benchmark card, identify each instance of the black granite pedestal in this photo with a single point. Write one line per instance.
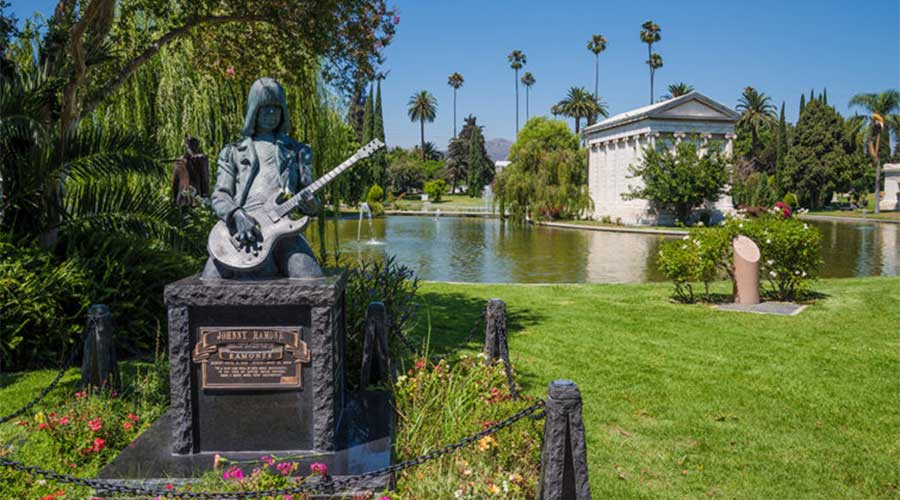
(257, 368)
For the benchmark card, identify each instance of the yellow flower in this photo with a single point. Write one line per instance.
(486, 443)
(493, 489)
(40, 418)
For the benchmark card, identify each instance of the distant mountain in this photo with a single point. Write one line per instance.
(498, 149)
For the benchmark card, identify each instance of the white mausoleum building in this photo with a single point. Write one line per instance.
(617, 143)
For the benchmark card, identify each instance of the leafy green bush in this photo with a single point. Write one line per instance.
(374, 199)
(789, 250)
(43, 302)
(386, 281)
(436, 189)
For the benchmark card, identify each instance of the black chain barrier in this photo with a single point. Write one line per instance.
(328, 485)
(46, 390)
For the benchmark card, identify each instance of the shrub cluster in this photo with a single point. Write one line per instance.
(789, 251)
(436, 189)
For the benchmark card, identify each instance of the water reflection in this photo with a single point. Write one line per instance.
(489, 251)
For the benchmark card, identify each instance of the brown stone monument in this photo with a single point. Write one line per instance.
(746, 271)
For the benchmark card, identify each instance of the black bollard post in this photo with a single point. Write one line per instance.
(564, 472)
(496, 345)
(99, 366)
(494, 328)
(376, 361)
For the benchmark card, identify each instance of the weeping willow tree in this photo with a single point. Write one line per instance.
(548, 174)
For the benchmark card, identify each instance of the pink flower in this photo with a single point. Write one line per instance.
(42, 426)
(230, 71)
(396, 21)
(79, 394)
(99, 444)
(268, 460)
(385, 498)
(169, 486)
(126, 425)
(95, 424)
(285, 468)
(287, 497)
(132, 417)
(233, 472)
(318, 468)
(64, 421)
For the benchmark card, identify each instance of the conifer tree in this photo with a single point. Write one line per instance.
(379, 116)
(780, 149)
(825, 96)
(379, 160)
(802, 105)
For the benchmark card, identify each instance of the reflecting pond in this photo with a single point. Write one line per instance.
(485, 250)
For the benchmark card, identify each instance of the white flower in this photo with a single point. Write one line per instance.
(741, 225)
(700, 224)
(796, 273)
(805, 226)
(684, 247)
(697, 242)
(482, 355)
(686, 237)
(773, 274)
(804, 274)
(505, 486)
(401, 379)
(768, 241)
(770, 262)
(660, 253)
(458, 494)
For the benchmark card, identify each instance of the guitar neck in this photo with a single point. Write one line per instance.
(321, 182)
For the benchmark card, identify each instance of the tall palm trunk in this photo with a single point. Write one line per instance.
(454, 112)
(422, 131)
(877, 158)
(596, 75)
(649, 57)
(527, 95)
(577, 124)
(517, 102)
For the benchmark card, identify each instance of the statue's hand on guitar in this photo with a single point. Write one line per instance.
(246, 228)
(309, 204)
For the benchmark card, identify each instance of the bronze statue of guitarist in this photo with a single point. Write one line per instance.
(264, 163)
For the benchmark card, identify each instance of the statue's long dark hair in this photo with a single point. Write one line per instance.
(266, 92)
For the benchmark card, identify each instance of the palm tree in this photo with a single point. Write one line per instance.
(678, 89)
(527, 80)
(756, 111)
(516, 60)
(597, 44)
(881, 108)
(650, 34)
(655, 62)
(422, 107)
(92, 184)
(456, 81)
(578, 104)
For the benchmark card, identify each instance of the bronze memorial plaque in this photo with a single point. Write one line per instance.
(254, 357)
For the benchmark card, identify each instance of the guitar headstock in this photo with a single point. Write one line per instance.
(367, 150)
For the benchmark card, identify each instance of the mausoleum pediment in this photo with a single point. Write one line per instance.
(692, 107)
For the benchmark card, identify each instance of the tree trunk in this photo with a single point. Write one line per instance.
(596, 74)
(649, 57)
(454, 112)
(577, 124)
(877, 173)
(422, 131)
(517, 102)
(527, 94)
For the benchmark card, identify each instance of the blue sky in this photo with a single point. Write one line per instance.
(781, 48)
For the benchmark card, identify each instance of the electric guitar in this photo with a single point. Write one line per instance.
(274, 221)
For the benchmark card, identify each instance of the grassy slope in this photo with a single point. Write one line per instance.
(687, 401)
(858, 214)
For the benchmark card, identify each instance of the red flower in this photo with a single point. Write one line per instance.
(126, 425)
(42, 426)
(420, 364)
(132, 417)
(169, 486)
(99, 444)
(229, 72)
(64, 421)
(95, 424)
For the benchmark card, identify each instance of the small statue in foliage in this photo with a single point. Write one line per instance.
(190, 174)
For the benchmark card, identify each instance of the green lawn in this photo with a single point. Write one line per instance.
(684, 401)
(454, 202)
(858, 214)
